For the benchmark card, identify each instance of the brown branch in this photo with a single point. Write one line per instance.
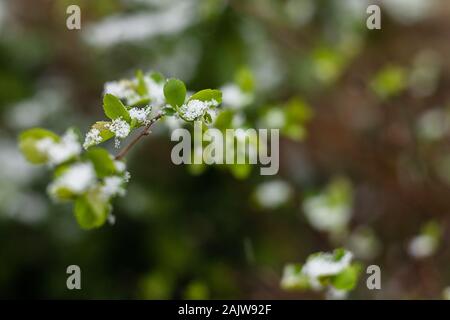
(144, 132)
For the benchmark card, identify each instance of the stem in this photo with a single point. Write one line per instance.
(144, 132)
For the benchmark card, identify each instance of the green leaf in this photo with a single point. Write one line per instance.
(61, 193)
(105, 133)
(157, 77)
(296, 114)
(28, 144)
(348, 278)
(175, 92)
(168, 111)
(102, 161)
(339, 253)
(140, 103)
(207, 95)
(91, 210)
(59, 170)
(114, 108)
(141, 87)
(64, 194)
(328, 64)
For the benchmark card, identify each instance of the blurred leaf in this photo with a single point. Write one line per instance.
(244, 79)
(105, 133)
(339, 191)
(294, 132)
(91, 209)
(298, 111)
(293, 278)
(389, 82)
(157, 285)
(168, 111)
(207, 95)
(347, 279)
(240, 171)
(141, 87)
(63, 194)
(339, 253)
(140, 103)
(157, 77)
(432, 229)
(224, 119)
(28, 144)
(196, 291)
(102, 161)
(207, 118)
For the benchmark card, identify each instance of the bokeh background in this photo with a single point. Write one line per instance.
(368, 168)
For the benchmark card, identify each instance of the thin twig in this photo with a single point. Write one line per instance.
(144, 132)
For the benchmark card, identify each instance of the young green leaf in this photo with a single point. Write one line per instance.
(141, 87)
(175, 92)
(28, 144)
(157, 77)
(102, 161)
(196, 169)
(105, 133)
(61, 193)
(389, 82)
(114, 108)
(207, 118)
(348, 278)
(91, 210)
(224, 120)
(140, 103)
(98, 133)
(208, 95)
(168, 111)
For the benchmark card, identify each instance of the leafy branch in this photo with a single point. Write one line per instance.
(92, 178)
(145, 132)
